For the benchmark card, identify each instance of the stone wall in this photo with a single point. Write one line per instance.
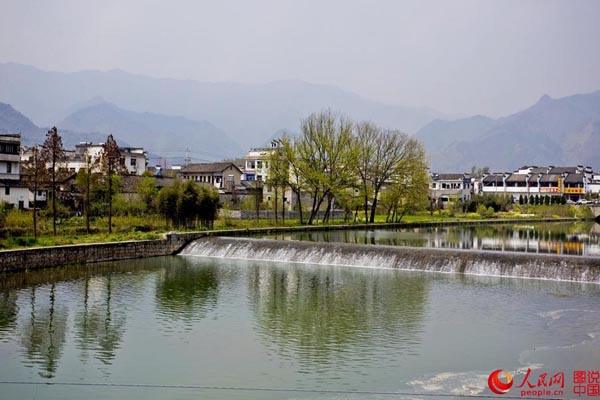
(27, 259)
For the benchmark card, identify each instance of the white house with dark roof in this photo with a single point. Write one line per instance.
(572, 182)
(222, 175)
(444, 188)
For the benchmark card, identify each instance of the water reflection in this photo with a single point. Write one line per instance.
(581, 238)
(98, 327)
(44, 331)
(318, 316)
(186, 291)
(8, 312)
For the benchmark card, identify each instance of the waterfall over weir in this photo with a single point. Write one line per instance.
(489, 263)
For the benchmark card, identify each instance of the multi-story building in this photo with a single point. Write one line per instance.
(12, 189)
(445, 188)
(256, 162)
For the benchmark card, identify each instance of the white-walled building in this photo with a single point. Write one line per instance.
(12, 189)
(135, 159)
(445, 188)
(573, 182)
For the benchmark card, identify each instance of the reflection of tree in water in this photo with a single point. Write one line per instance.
(8, 311)
(99, 327)
(186, 291)
(43, 336)
(319, 314)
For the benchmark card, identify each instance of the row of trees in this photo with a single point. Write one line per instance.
(539, 200)
(356, 165)
(46, 169)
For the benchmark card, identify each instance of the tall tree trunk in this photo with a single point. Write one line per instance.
(374, 206)
(313, 211)
(87, 201)
(299, 198)
(275, 203)
(283, 206)
(35, 186)
(328, 210)
(109, 200)
(54, 195)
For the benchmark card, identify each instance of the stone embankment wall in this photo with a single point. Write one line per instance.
(172, 243)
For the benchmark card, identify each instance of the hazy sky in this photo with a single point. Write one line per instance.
(490, 57)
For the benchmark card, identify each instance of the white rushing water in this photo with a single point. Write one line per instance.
(516, 265)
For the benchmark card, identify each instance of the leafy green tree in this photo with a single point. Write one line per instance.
(148, 192)
(188, 205)
(295, 181)
(325, 151)
(208, 207)
(383, 156)
(408, 190)
(168, 199)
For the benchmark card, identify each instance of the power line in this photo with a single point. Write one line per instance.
(267, 389)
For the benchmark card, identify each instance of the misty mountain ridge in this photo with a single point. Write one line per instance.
(13, 122)
(169, 136)
(248, 113)
(564, 131)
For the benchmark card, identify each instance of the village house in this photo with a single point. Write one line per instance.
(445, 188)
(222, 175)
(12, 188)
(135, 159)
(572, 182)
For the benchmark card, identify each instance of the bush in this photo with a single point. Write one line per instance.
(498, 203)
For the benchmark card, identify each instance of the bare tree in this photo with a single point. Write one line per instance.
(36, 177)
(53, 154)
(111, 163)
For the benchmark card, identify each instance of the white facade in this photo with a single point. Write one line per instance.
(135, 159)
(12, 189)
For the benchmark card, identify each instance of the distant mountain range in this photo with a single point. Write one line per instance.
(12, 121)
(563, 131)
(168, 117)
(248, 113)
(170, 137)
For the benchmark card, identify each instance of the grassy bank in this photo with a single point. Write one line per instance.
(17, 230)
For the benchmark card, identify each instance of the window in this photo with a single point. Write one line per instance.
(9, 168)
(132, 162)
(259, 165)
(250, 164)
(7, 190)
(40, 193)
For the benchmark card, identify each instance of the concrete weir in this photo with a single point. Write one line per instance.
(488, 263)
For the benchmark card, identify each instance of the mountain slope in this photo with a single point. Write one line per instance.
(563, 131)
(249, 113)
(439, 135)
(12, 121)
(161, 134)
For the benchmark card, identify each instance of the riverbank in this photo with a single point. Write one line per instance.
(173, 242)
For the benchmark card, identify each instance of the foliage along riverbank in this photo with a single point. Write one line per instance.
(16, 231)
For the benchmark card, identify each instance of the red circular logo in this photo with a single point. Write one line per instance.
(498, 386)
